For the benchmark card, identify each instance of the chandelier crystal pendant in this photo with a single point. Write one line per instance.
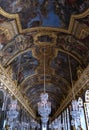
(44, 106)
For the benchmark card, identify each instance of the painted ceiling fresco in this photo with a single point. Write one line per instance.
(21, 53)
(24, 62)
(26, 68)
(46, 13)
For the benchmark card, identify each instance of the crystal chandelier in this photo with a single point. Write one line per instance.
(13, 112)
(75, 111)
(44, 106)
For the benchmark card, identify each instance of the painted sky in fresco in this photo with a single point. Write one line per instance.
(46, 13)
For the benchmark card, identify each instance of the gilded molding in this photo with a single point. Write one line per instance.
(10, 85)
(49, 34)
(16, 16)
(12, 16)
(84, 33)
(74, 17)
(6, 32)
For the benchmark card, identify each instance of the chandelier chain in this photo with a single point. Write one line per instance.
(44, 70)
(71, 76)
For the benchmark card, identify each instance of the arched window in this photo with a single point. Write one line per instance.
(81, 111)
(86, 106)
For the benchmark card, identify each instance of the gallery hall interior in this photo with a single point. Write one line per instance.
(44, 64)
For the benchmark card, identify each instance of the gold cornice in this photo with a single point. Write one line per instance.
(10, 85)
(45, 29)
(78, 86)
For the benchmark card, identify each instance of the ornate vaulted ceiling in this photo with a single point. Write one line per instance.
(39, 25)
